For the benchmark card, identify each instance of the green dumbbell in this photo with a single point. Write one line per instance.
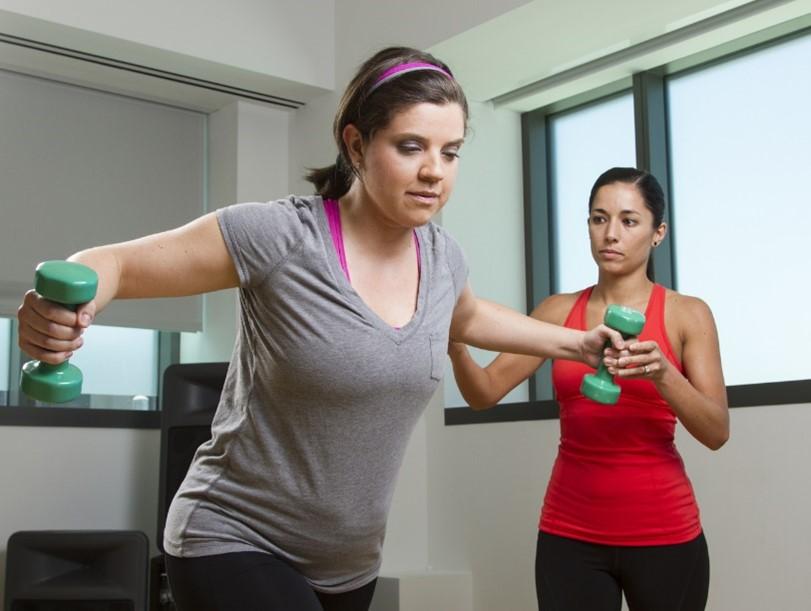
(600, 386)
(69, 284)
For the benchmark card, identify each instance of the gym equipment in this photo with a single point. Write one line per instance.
(69, 284)
(77, 570)
(600, 386)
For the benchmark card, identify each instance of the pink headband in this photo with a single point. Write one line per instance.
(399, 69)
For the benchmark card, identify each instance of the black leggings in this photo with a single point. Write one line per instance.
(573, 575)
(252, 581)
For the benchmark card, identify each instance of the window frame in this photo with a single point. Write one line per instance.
(18, 411)
(652, 154)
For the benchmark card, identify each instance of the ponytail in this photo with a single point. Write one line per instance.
(334, 181)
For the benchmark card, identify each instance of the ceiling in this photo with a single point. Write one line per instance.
(547, 49)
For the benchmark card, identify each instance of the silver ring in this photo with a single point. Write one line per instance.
(645, 369)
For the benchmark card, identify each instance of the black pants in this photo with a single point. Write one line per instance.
(252, 581)
(573, 575)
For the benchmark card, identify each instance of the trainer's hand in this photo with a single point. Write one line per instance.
(640, 360)
(50, 332)
(593, 342)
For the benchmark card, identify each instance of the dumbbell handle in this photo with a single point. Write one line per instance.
(600, 386)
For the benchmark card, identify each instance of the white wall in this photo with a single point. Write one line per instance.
(755, 503)
(72, 478)
(361, 28)
(248, 161)
(261, 37)
(5, 340)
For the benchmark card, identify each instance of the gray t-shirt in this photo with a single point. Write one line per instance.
(320, 399)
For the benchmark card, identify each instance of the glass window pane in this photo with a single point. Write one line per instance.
(5, 347)
(119, 361)
(740, 140)
(585, 143)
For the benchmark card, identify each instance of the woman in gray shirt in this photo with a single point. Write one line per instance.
(348, 299)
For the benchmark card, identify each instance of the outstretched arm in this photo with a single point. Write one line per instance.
(483, 387)
(189, 260)
(494, 327)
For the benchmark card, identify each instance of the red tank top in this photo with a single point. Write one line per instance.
(618, 478)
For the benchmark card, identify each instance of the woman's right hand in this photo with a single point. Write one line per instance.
(50, 332)
(593, 341)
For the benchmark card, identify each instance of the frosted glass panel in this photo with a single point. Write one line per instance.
(118, 361)
(5, 344)
(585, 143)
(740, 137)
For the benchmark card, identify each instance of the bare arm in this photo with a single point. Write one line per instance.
(699, 397)
(483, 387)
(490, 326)
(189, 260)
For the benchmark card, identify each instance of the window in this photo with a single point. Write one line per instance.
(121, 368)
(729, 142)
(120, 363)
(739, 150)
(584, 143)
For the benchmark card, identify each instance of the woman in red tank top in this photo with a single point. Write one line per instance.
(619, 514)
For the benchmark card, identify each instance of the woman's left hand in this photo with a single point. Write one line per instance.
(641, 360)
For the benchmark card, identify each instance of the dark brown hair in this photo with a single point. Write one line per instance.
(648, 187)
(371, 108)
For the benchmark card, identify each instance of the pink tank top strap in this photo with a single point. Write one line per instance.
(333, 213)
(334, 219)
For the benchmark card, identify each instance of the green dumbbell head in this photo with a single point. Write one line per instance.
(600, 386)
(70, 284)
(627, 321)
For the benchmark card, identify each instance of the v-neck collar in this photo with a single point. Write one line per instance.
(346, 288)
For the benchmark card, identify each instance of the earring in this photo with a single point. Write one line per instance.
(655, 244)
